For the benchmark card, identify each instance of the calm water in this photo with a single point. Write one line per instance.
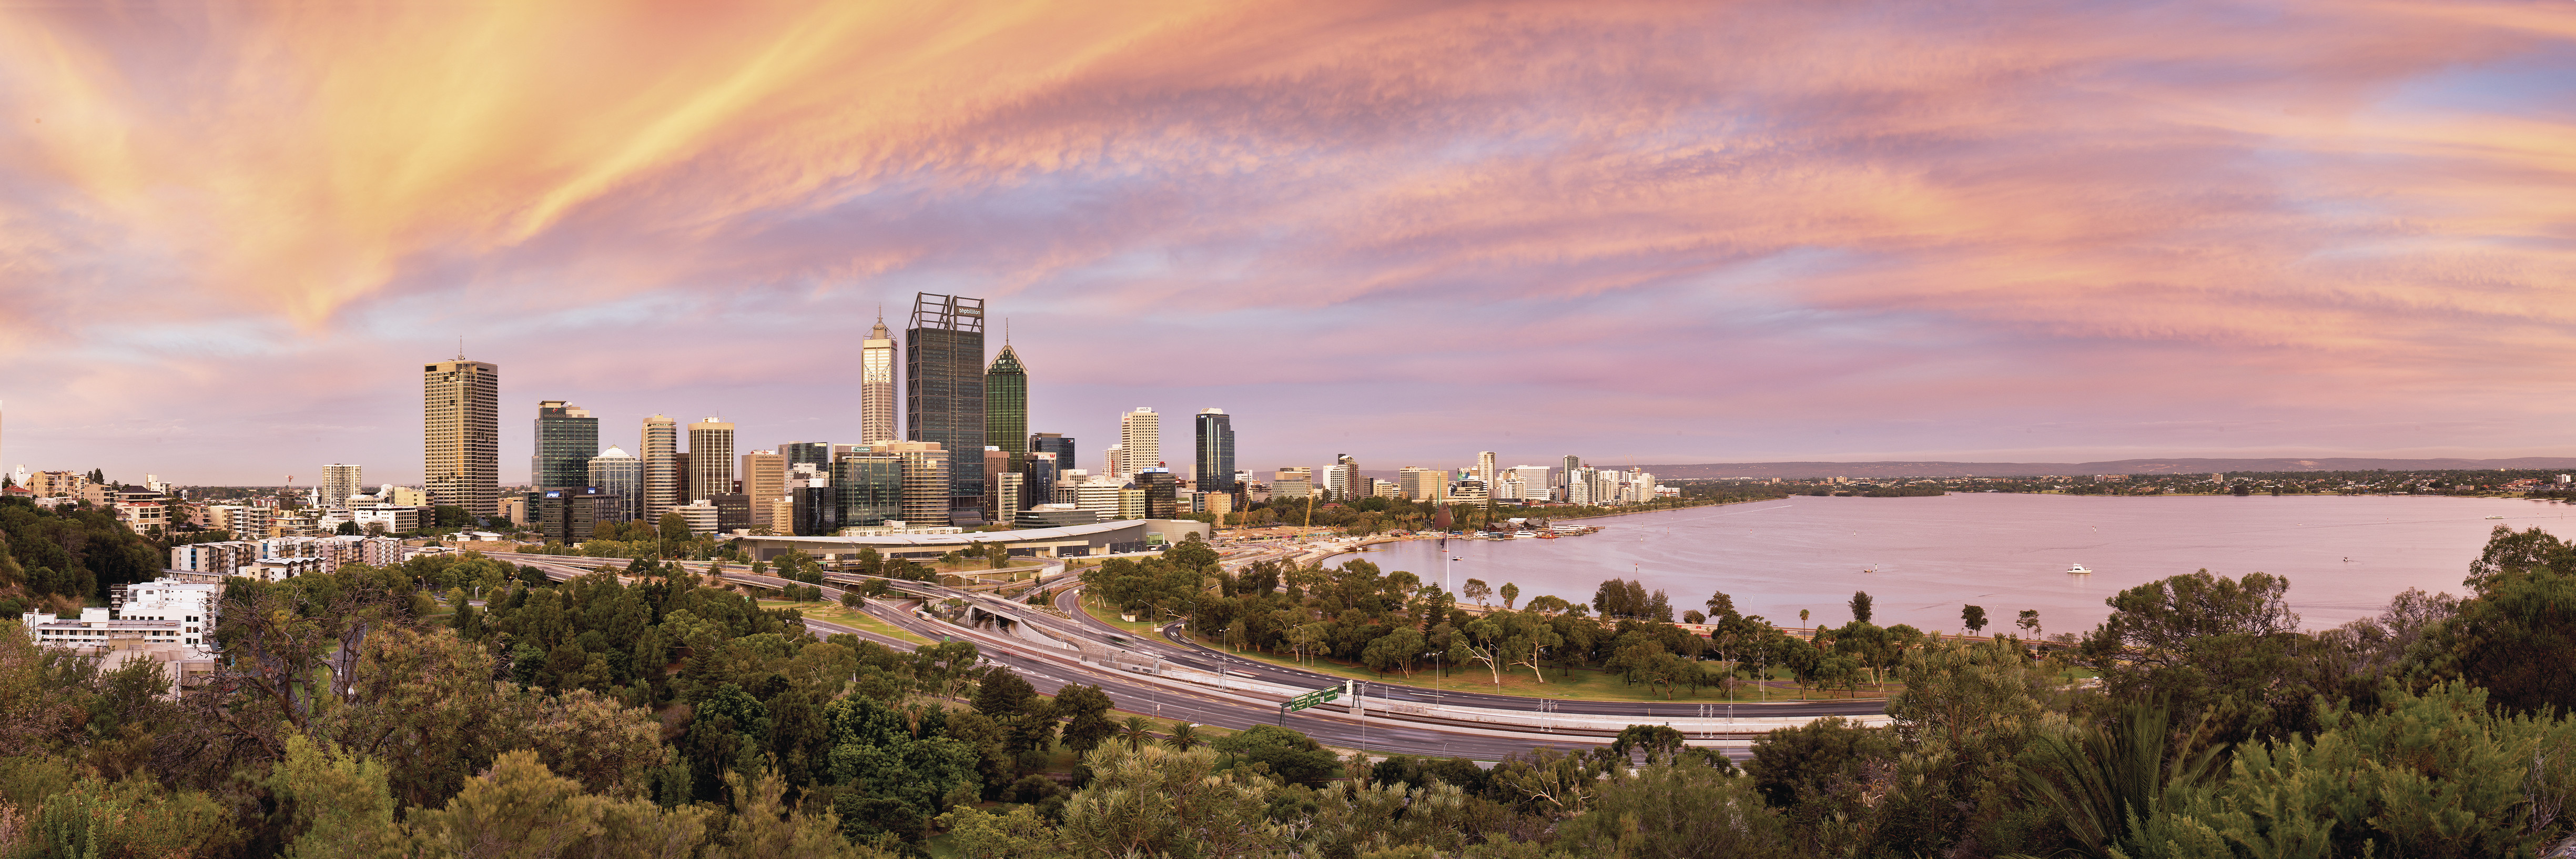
(2344, 556)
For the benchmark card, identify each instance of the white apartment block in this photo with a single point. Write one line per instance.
(1100, 497)
(219, 559)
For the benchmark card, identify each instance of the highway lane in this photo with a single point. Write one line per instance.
(1178, 649)
(1374, 735)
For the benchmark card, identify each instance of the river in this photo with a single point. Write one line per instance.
(1921, 559)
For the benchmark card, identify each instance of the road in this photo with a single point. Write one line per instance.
(1373, 735)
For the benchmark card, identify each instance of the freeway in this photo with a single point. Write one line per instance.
(1177, 648)
(1049, 672)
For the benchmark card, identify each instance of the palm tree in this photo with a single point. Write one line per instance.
(1138, 733)
(1183, 738)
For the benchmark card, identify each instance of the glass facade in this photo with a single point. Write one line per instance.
(567, 437)
(818, 510)
(1161, 492)
(569, 514)
(623, 476)
(1037, 480)
(1060, 445)
(943, 364)
(1215, 451)
(811, 452)
(1006, 403)
(871, 486)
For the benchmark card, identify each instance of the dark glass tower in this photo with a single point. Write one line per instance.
(1161, 492)
(943, 392)
(871, 486)
(1055, 443)
(816, 452)
(567, 437)
(1006, 403)
(1216, 451)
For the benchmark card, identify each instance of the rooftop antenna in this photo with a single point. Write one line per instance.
(460, 347)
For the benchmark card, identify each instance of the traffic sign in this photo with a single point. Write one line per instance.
(1325, 695)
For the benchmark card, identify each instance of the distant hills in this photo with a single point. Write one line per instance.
(2121, 466)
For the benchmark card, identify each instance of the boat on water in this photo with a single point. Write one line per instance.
(2077, 570)
(1524, 534)
(2495, 517)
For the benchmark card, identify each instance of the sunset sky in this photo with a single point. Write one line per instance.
(1640, 232)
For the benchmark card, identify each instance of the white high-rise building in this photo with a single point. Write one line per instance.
(461, 434)
(1140, 434)
(710, 459)
(1485, 467)
(1114, 462)
(338, 483)
(661, 455)
(613, 470)
(876, 386)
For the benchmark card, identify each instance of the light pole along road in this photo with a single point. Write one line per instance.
(1049, 672)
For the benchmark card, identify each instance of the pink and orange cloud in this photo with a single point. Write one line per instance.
(1693, 231)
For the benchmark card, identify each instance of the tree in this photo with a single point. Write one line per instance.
(1973, 617)
(850, 599)
(2029, 622)
(675, 528)
(1675, 811)
(348, 529)
(1721, 606)
(1476, 590)
(1291, 755)
(1183, 738)
(1137, 731)
(2511, 635)
(1859, 606)
(1152, 801)
(1510, 592)
(1087, 708)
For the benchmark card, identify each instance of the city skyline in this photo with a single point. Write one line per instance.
(1660, 234)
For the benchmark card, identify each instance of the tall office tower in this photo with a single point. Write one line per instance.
(1420, 484)
(1140, 434)
(461, 434)
(876, 385)
(764, 480)
(1037, 479)
(661, 467)
(811, 452)
(567, 437)
(680, 466)
(1055, 443)
(1162, 488)
(997, 463)
(1485, 467)
(710, 459)
(338, 483)
(1215, 466)
(1114, 462)
(1006, 403)
(927, 481)
(1345, 478)
(871, 487)
(614, 471)
(943, 391)
(1565, 478)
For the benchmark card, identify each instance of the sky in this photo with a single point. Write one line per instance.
(231, 233)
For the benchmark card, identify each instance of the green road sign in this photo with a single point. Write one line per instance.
(1320, 696)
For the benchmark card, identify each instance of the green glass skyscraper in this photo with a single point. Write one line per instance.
(567, 437)
(1006, 403)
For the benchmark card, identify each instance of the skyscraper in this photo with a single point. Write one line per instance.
(1161, 490)
(876, 385)
(1055, 443)
(338, 483)
(661, 467)
(870, 486)
(1565, 477)
(813, 452)
(710, 459)
(1345, 480)
(1485, 467)
(1006, 403)
(1140, 435)
(943, 365)
(567, 437)
(615, 471)
(1215, 452)
(764, 479)
(461, 435)
(926, 481)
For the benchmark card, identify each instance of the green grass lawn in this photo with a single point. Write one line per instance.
(833, 612)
